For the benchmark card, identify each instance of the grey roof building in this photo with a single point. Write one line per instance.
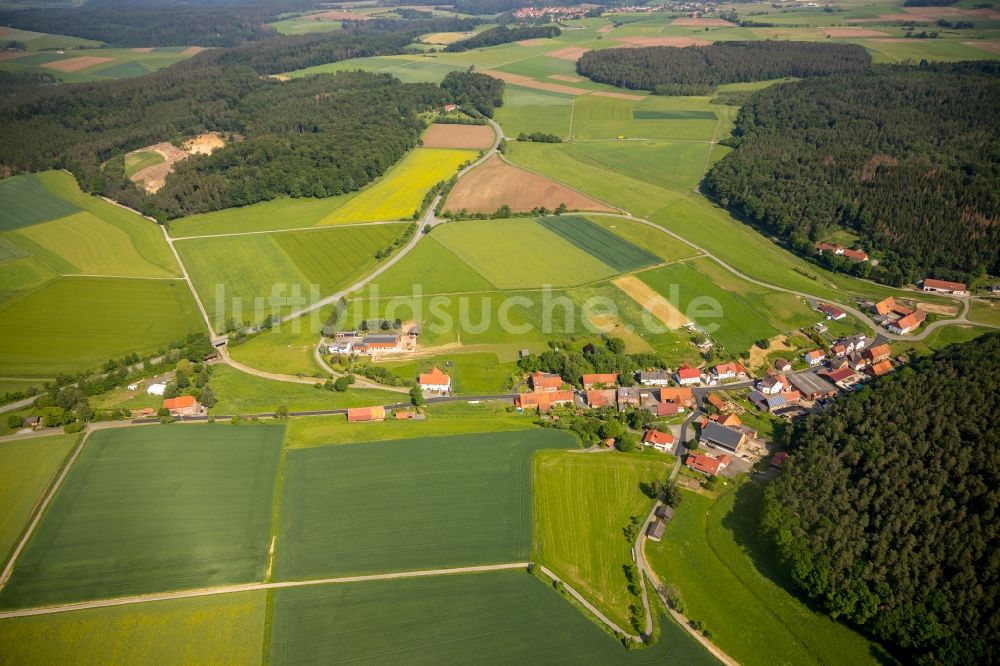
(722, 437)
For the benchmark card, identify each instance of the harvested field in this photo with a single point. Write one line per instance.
(614, 95)
(758, 356)
(702, 22)
(10, 55)
(193, 50)
(569, 53)
(989, 47)
(495, 183)
(5, 31)
(662, 41)
(605, 29)
(950, 310)
(889, 18)
(459, 136)
(532, 42)
(506, 77)
(567, 79)
(76, 64)
(651, 301)
(854, 32)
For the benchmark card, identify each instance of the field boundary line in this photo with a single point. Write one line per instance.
(40, 510)
(621, 211)
(187, 278)
(596, 612)
(325, 227)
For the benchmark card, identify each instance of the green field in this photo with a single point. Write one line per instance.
(494, 618)
(673, 118)
(257, 268)
(240, 393)
(27, 467)
(737, 572)
(668, 164)
(534, 111)
(598, 242)
(152, 509)
(77, 323)
(139, 160)
(542, 257)
(223, 629)
(452, 418)
(286, 349)
(582, 504)
(986, 312)
(433, 268)
(646, 236)
(472, 373)
(274, 215)
(27, 201)
(409, 504)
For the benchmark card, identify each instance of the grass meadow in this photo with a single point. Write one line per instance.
(653, 117)
(223, 629)
(719, 539)
(409, 504)
(287, 349)
(497, 617)
(582, 504)
(600, 243)
(27, 466)
(652, 239)
(531, 111)
(275, 215)
(432, 266)
(472, 373)
(153, 509)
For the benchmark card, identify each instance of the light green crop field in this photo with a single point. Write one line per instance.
(27, 201)
(222, 629)
(139, 160)
(432, 268)
(471, 373)
(719, 540)
(985, 311)
(939, 339)
(542, 257)
(274, 215)
(646, 236)
(398, 194)
(582, 504)
(530, 111)
(287, 348)
(153, 509)
(454, 418)
(599, 242)
(102, 63)
(78, 323)
(409, 504)
(27, 467)
(254, 268)
(668, 164)
(499, 617)
(651, 118)
(240, 393)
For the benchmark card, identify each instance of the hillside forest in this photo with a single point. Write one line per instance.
(906, 157)
(887, 511)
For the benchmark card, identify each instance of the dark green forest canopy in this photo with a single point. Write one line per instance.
(906, 157)
(722, 62)
(888, 511)
(316, 136)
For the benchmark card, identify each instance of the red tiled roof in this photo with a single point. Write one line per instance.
(180, 402)
(816, 353)
(706, 464)
(882, 368)
(544, 400)
(714, 400)
(676, 395)
(609, 379)
(791, 396)
(856, 255)
(944, 284)
(602, 398)
(540, 380)
(879, 351)
(830, 310)
(779, 458)
(656, 437)
(885, 306)
(687, 372)
(838, 375)
(730, 421)
(435, 377)
(667, 408)
(366, 413)
(911, 321)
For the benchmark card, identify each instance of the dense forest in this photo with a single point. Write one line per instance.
(503, 35)
(888, 511)
(722, 62)
(481, 92)
(908, 158)
(314, 136)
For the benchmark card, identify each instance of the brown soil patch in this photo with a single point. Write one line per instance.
(506, 77)
(651, 301)
(532, 42)
(569, 53)
(143, 49)
(153, 177)
(5, 31)
(983, 13)
(702, 22)
(949, 310)
(76, 64)
(10, 55)
(193, 50)
(339, 15)
(888, 18)
(495, 183)
(989, 47)
(459, 136)
(615, 95)
(854, 32)
(567, 79)
(605, 29)
(662, 41)
(758, 356)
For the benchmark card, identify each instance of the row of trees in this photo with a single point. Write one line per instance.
(722, 62)
(887, 512)
(903, 156)
(503, 35)
(571, 365)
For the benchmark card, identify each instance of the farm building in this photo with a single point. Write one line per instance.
(910, 322)
(707, 464)
(629, 397)
(945, 287)
(884, 306)
(682, 396)
(156, 389)
(655, 530)
(728, 371)
(654, 378)
(811, 386)
(545, 381)
(667, 409)
(876, 354)
(543, 400)
(715, 401)
(601, 379)
(687, 376)
(838, 376)
(728, 420)
(361, 414)
(831, 311)
(381, 342)
(839, 250)
(598, 398)
(661, 441)
(665, 513)
(723, 437)
(778, 459)
(814, 357)
(184, 405)
(448, 108)
(435, 380)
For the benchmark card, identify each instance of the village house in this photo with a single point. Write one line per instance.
(715, 401)
(654, 378)
(340, 347)
(661, 441)
(878, 353)
(728, 420)
(629, 396)
(728, 371)
(184, 405)
(688, 376)
(597, 398)
(682, 396)
(811, 386)
(884, 306)
(782, 365)
(608, 380)
(910, 322)
(545, 381)
(543, 401)
(362, 414)
(435, 381)
(831, 311)
(772, 403)
(881, 368)
(838, 376)
(778, 459)
(665, 409)
(945, 287)
(814, 357)
(448, 108)
(707, 464)
(664, 512)
(379, 343)
(722, 437)
(857, 362)
(853, 255)
(773, 384)
(655, 530)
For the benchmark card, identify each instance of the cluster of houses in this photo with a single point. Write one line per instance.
(896, 317)
(841, 251)
(686, 375)
(372, 344)
(378, 413)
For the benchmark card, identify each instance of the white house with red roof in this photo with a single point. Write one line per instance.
(661, 441)
(945, 287)
(435, 380)
(686, 375)
(814, 357)
(707, 464)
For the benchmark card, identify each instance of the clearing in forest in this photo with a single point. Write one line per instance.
(496, 183)
(153, 177)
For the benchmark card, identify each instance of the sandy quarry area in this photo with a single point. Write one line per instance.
(495, 183)
(153, 177)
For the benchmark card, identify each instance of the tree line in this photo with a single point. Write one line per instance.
(503, 35)
(723, 62)
(886, 512)
(903, 156)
